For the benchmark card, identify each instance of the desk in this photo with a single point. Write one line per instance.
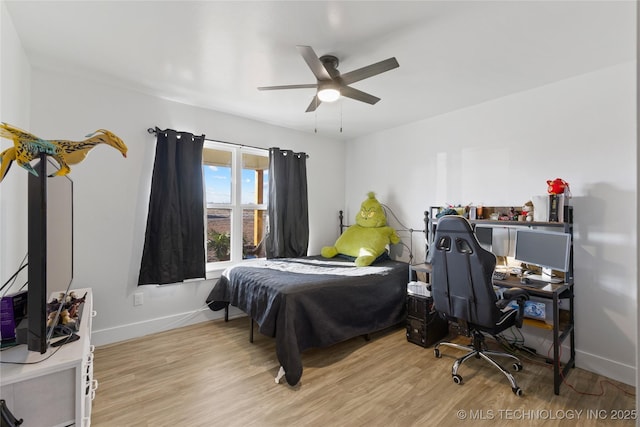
(553, 292)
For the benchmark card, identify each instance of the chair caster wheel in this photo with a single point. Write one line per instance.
(517, 391)
(436, 352)
(517, 367)
(457, 379)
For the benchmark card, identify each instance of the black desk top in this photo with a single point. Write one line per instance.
(534, 288)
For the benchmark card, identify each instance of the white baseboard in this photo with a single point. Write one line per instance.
(606, 367)
(539, 340)
(136, 330)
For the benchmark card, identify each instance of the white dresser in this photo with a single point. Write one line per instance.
(55, 388)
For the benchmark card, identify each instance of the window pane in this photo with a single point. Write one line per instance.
(254, 226)
(218, 234)
(217, 175)
(236, 185)
(254, 178)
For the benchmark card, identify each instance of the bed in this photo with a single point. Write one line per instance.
(313, 302)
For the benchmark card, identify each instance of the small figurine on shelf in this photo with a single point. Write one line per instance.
(51, 318)
(527, 211)
(66, 319)
(69, 311)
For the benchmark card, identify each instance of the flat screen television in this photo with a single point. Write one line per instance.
(550, 250)
(50, 245)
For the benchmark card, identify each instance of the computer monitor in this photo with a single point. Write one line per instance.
(499, 240)
(484, 236)
(503, 242)
(550, 250)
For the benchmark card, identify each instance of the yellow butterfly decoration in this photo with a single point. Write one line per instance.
(27, 147)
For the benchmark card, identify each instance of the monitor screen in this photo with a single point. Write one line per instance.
(503, 241)
(499, 240)
(484, 236)
(546, 249)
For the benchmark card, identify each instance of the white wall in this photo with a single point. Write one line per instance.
(111, 192)
(14, 109)
(500, 153)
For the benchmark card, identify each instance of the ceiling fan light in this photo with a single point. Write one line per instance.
(328, 94)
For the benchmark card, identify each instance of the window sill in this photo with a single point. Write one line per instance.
(214, 270)
(214, 273)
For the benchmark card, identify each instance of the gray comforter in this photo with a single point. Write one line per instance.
(313, 301)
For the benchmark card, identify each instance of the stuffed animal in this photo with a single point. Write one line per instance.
(368, 238)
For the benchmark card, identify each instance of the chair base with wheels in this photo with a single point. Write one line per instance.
(479, 350)
(462, 290)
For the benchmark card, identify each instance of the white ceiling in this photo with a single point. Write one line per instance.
(214, 54)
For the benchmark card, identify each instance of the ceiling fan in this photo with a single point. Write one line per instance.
(331, 84)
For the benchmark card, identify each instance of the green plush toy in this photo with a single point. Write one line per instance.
(368, 238)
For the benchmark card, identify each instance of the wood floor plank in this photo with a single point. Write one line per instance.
(209, 374)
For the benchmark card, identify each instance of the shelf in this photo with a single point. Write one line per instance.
(537, 323)
(498, 222)
(488, 210)
(506, 223)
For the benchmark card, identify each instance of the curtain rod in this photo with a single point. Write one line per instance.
(156, 129)
(152, 130)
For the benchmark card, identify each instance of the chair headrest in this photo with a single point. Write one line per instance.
(454, 224)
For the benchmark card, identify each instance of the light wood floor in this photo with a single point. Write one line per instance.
(210, 375)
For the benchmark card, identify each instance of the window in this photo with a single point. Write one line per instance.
(236, 187)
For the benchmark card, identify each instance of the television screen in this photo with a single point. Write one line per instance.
(59, 231)
(50, 246)
(546, 249)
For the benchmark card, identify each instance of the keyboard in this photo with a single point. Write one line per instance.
(500, 275)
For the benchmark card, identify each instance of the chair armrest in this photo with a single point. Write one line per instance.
(514, 294)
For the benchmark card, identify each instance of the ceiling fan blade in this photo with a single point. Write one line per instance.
(306, 86)
(312, 60)
(358, 95)
(369, 71)
(313, 105)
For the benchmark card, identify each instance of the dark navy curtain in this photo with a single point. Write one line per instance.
(288, 235)
(174, 241)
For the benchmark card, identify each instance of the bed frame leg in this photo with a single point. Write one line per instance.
(226, 313)
(251, 330)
